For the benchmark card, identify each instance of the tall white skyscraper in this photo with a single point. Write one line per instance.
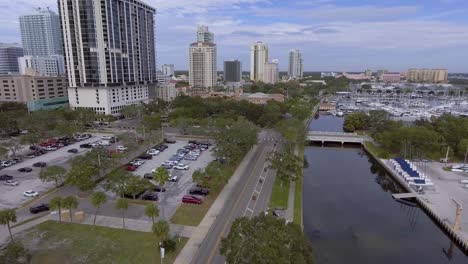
(109, 52)
(204, 35)
(202, 62)
(258, 58)
(168, 69)
(42, 42)
(202, 66)
(271, 72)
(295, 69)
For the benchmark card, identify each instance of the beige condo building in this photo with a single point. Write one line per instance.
(427, 75)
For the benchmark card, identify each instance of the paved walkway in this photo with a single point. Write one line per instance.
(5, 236)
(289, 214)
(191, 247)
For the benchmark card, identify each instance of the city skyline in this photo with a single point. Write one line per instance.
(332, 35)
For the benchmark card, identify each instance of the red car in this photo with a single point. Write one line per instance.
(191, 199)
(131, 167)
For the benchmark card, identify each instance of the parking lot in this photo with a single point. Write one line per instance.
(12, 196)
(170, 200)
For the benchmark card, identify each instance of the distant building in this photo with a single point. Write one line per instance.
(296, 67)
(202, 66)
(390, 77)
(162, 78)
(9, 54)
(271, 73)
(53, 65)
(327, 74)
(356, 76)
(261, 98)
(39, 92)
(368, 73)
(109, 51)
(380, 72)
(204, 35)
(427, 75)
(232, 71)
(258, 58)
(167, 91)
(168, 69)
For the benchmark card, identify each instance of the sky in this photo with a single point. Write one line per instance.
(333, 35)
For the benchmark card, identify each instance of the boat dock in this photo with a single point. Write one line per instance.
(404, 195)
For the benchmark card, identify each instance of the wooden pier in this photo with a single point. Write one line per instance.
(404, 195)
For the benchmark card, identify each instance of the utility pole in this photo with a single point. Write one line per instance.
(446, 155)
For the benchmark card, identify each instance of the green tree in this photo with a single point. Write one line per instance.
(56, 203)
(15, 253)
(265, 239)
(200, 177)
(81, 174)
(98, 199)
(160, 176)
(129, 111)
(136, 185)
(122, 205)
(286, 164)
(70, 202)
(117, 181)
(3, 152)
(356, 121)
(151, 211)
(161, 230)
(12, 145)
(54, 174)
(8, 216)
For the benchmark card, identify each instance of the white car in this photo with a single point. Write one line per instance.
(106, 137)
(181, 167)
(104, 143)
(50, 148)
(173, 178)
(30, 193)
(121, 148)
(10, 183)
(153, 152)
(137, 162)
(6, 163)
(94, 144)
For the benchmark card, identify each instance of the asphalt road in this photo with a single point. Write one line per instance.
(240, 201)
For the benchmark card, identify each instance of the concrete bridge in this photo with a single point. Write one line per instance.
(336, 137)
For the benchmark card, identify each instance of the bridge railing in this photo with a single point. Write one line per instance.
(326, 133)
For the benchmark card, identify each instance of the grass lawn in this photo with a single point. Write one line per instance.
(280, 194)
(52, 242)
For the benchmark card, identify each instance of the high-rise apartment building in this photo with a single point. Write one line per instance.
(52, 65)
(204, 35)
(427, 75)
(296, 68)
(40, 33)
(168, 69)
(232, 71)
(202, 62)
(202, 66)
(258, 58)
(109, 52)
(9, 54)
(271, 72)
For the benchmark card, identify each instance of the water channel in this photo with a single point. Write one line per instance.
(350, 216)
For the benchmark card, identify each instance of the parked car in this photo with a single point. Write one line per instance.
(158, 188)
(153, 152)
(181, 167)
(6, 163)
(39, 208)
(167, 166)
(148, 176)
(191, 199)
(10, 183)
(131, 167)
(150, 196)
(170, 141)
(6, 177)
(114, 140)
(40, 164)
(73, 150)
(25, 169)
(106, 137)
(30, 193)
(199, 191)
(86, 145)
(192, 142)
(173, 178)
(137, 162)
(104, 143)
(50, 148)
(145, 156)
(121, 148)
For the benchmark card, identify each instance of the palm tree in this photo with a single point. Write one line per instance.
(56, 203)
(160, 176)
(6, 217)
(161, 230)
(98, 199)
(122, 204)
(152, 211)
(70, 202)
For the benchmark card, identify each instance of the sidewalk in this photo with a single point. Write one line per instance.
(191, 247)
(5, 236)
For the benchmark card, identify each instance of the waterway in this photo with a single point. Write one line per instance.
(350, 216)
